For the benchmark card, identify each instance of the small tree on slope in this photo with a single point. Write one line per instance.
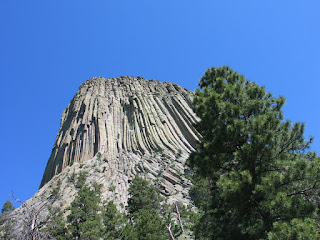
(84, 221)
(7, 207)
(263, 183)
(144, 211)
(6, 220)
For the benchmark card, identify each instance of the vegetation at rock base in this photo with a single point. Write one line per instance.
(147, 218)
(56, 226)
(262, 181)
(144, 211)
(84, 220)
(113, 221)
(150, 217)
(252, 172)
(143, 195)
(149, 225)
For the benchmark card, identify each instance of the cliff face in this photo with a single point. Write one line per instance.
(124, 119)
(112, 130)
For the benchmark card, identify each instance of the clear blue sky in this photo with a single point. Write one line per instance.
(48, 48)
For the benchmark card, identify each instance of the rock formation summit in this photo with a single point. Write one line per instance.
(134, 125)
(112, 130)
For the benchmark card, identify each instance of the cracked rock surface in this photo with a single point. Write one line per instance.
(116, 128)
(129, 121)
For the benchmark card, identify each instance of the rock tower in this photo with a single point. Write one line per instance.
(112, 130)
(135, 126)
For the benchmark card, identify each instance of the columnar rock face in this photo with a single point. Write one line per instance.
(124, 119)
(112, 130)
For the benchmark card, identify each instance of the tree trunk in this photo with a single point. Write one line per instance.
(179, 218)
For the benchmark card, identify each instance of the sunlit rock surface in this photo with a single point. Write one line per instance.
(136, 125)
(114, 129)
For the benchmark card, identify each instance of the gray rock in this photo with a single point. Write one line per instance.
(123, 115)
(117, 128)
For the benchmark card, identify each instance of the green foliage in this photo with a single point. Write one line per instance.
(254, 164)
(188, 217)
(56, 225)
(90, 219)
(143, 195)
(148, 217)
(149, 225)
(6, 222)
(296, 229)
(55, 190)
(72, 177)
(113, 221)
(112, 188)
(7, 207)
(200, 192)
(81, 181)
(84, 220)
(128, 232)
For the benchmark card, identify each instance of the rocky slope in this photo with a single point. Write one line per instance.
(114, 129)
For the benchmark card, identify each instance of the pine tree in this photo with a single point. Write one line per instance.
(149, 225)
(144, 212)
(5, 220)
(56, 226)
(7, 207)
(5, 227)
(84, 221)
(113, 221)
(143, 195)
(262, 178)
